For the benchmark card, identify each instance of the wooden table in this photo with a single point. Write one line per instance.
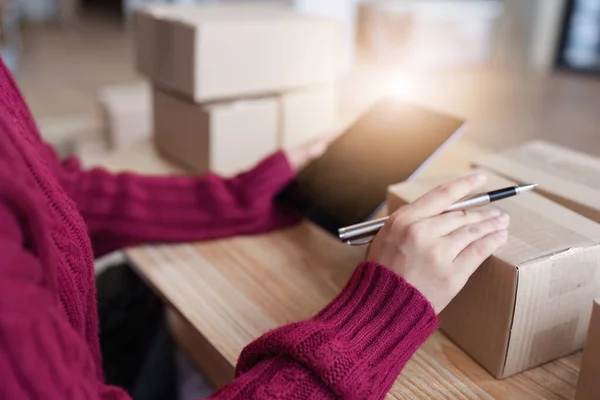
(223, 294)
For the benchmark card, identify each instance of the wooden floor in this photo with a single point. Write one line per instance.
(62, 69)
(505, 111)
(501, 108)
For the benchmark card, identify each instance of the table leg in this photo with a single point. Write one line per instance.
(206, 358)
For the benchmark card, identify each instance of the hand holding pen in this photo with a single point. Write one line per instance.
(364, 232)
(437, 252)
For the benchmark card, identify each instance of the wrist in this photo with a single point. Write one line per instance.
(380, 290)
(365, 335)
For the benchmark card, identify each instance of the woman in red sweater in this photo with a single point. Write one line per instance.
(54, 217)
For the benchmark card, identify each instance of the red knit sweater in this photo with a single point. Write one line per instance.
(53, 214)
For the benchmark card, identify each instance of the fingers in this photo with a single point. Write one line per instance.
(477, 252)
(444, 224)
(440, 198)
(461, 238)
(333, 134)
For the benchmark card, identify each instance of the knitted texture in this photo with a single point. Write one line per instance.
(353, 349)
(55, 216)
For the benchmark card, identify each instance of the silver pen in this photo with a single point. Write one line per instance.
(367, 230)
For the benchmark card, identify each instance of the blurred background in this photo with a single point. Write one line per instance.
(515, 69)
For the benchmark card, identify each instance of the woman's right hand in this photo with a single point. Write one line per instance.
(435, 252)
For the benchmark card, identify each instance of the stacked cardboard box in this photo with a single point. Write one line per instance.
(566, 176)
(231, 84)
(530, 302)
(570, 178)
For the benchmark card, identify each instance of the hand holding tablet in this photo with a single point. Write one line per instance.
(390, 143)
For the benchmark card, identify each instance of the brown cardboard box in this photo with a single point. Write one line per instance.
(224, 138)
(213, 52)
(530, 302)
(588, 385)
(127, 113)
(307, 114)
(565, 176)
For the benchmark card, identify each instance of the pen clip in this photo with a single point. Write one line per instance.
(360, 242)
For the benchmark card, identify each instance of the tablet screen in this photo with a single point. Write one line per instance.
(390, 143)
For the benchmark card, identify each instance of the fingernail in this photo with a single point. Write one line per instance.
(493, 212)
(504, 218)
(503, 233)
(479, 177)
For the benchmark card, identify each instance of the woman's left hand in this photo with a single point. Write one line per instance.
(300, 157)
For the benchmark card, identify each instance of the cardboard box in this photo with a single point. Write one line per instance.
(307, 114)
(127, 113)
(588, 385)
(225, 138)
(564, 175)
(530, 302)
(129, 6)
(209, 53)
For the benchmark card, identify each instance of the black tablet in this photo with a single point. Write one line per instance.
(392, 142)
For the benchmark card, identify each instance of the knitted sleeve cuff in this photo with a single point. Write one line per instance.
(267, 178)
(358, 343)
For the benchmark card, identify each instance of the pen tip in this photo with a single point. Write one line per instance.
(527, 188)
